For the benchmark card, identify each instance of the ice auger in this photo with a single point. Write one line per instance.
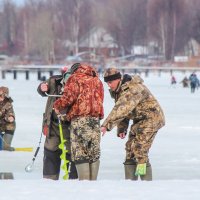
(64, 151)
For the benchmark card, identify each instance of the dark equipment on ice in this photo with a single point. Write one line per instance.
(30, 166)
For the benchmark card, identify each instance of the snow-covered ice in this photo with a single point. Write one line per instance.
(175, 154)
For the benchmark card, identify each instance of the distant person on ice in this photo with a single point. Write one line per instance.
(7, 119)
(135, 103)
(194, 82)
(173, 80)
(52, 162)
(185, 82)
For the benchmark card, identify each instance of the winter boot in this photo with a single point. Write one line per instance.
(94, 169)
(7, 139)
(51, 164)
(54, 177)
(148, 176)
(6, 175)
(130, 172)
(83, 171)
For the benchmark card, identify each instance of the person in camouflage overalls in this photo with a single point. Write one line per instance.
(83, 95)
(133, 101)
(7, 119)
(51, 160)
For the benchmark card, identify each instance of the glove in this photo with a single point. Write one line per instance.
(141, 169)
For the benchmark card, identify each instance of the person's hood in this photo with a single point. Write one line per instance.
(126, 78)
(126, 81)
(136, 79)
(130, 80)
(86, 69)
(4, 91)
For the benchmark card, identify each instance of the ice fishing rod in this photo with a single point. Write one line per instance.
(62, 147)
(30, 166)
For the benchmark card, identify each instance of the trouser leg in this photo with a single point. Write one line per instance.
(73, 172)
(1, 141)
(83, 170)
(71, 168)
(7, 140)
(94, 169)
(51, 164)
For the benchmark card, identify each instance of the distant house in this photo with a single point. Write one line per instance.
(192, 48)
(5, 60)
(150, 49)
(139, 50)
(99, 41)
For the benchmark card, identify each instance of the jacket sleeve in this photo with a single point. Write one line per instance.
(9, 111)
(101, 90)
(40, 91)
(122, 126)
(70, 95)
(126, 103)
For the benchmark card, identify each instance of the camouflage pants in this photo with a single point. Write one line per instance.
(140, 139)
(8, 127)
(85, 139)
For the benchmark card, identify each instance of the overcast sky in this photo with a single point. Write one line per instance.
(18, 2)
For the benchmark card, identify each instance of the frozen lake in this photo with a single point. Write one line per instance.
(174, 155)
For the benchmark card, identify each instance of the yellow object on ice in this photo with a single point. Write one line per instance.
(28, 149)
(141, 169)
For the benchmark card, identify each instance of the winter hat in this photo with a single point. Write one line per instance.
(112, 74)
(4, 91)
(74, 67)
(63, 69)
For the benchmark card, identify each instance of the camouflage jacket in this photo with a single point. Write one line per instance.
(83, 94)
(6, 110)
(133, 101)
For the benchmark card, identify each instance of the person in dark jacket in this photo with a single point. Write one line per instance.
(52, 162)
(7, 119)
(185, 82)
(194, 82)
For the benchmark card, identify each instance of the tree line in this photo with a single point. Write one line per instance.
(52, 29)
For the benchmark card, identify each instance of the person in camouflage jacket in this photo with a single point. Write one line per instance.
(83, 96)
(50, 128)
(7, 119)
(133, 101)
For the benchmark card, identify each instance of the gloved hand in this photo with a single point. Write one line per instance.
(141, 169)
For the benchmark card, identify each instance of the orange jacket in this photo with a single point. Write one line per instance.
(83, 94)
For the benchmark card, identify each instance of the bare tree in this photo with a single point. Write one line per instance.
(194, 16)
(72, 8)
(126, 22)
(165, 18)
(41, 35)
(42, 27)
(8, 25)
